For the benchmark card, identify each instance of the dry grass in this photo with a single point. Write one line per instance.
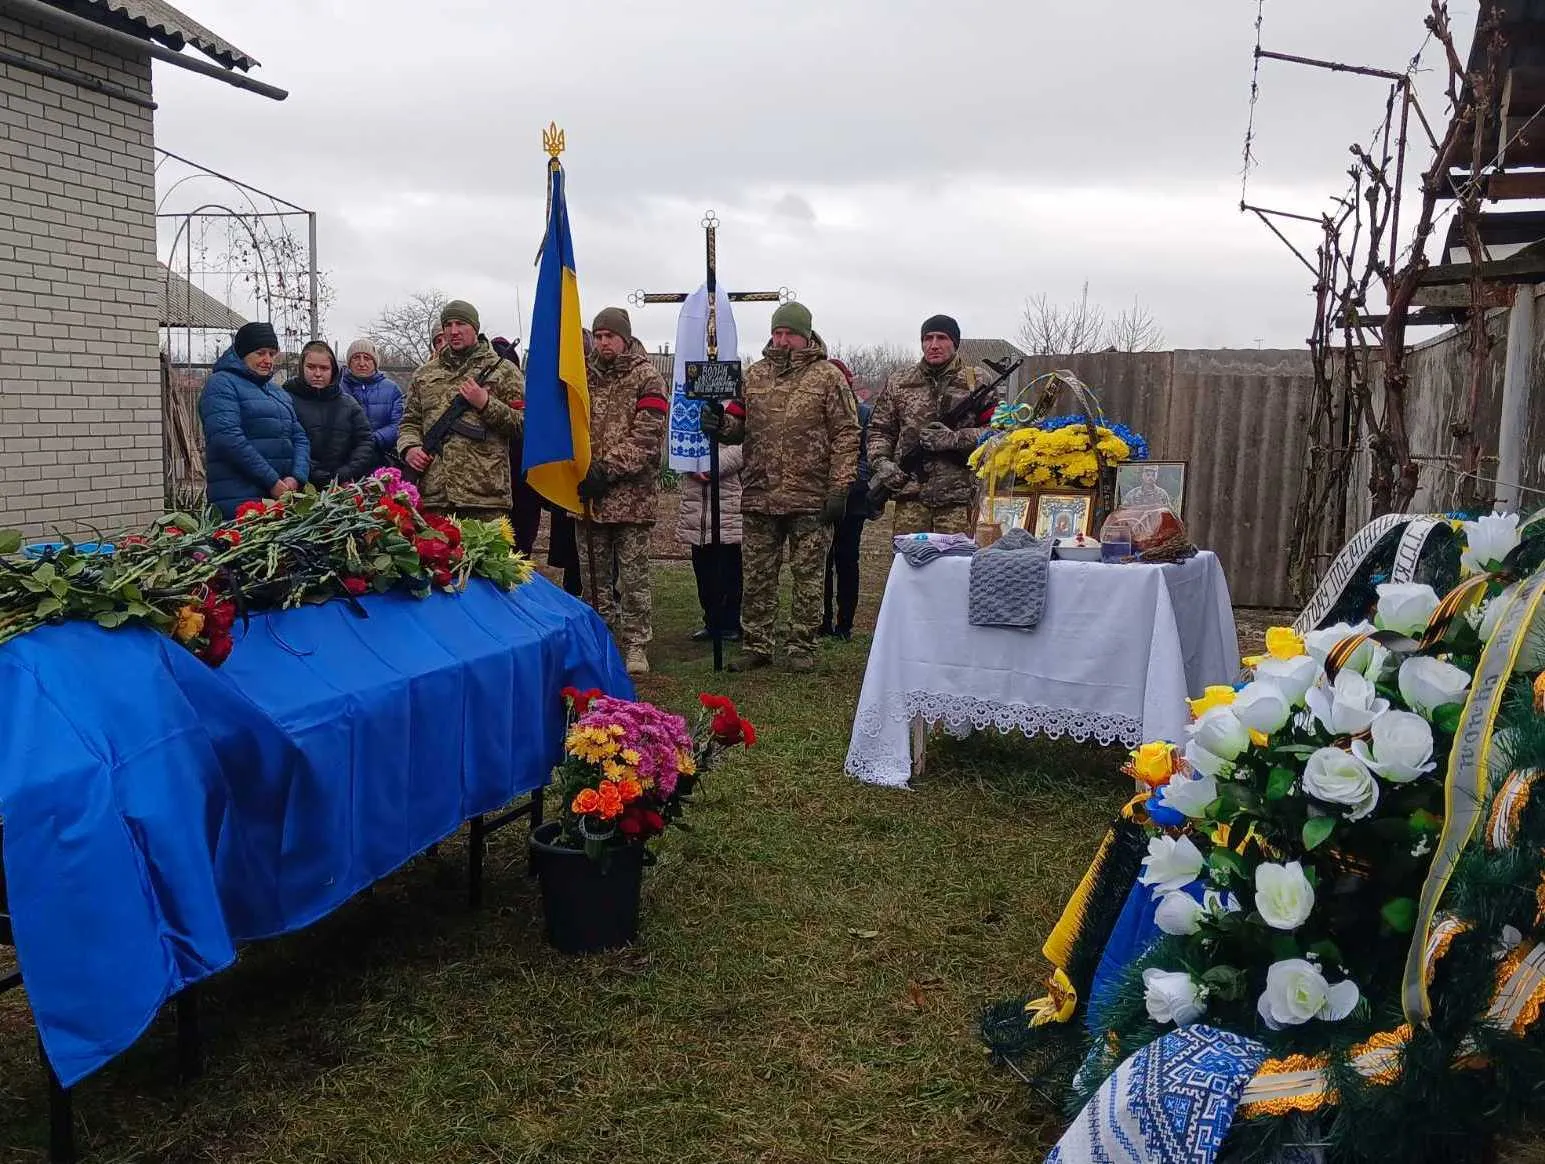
(815, 955)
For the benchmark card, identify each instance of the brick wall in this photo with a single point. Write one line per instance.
(80, 391)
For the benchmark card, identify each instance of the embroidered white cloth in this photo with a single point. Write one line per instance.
(1118, 650)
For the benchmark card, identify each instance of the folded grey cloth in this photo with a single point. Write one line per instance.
(1008, 581)
(920, 549)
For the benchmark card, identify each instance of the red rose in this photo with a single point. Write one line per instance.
(630, 825)
(218, 650)
(220, 618)
(435, 554)
(356, 586)
(173, 531)
(653, 821)
(443, 579)
(229, 536)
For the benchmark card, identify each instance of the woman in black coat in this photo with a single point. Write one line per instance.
(342, 446)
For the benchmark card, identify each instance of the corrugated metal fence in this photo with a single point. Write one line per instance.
(1239, 419)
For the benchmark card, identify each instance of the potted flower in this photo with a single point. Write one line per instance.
(628, 770)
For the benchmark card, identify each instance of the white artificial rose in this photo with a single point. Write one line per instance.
(1401, 749)
(1204, 762)
(1531, 656)
(1337, 777)
(1320, 643)
(1405, 607)
(1293, 677)
(1221, 733)
(1171, 864)
(1488, 541)
(1381, 661)
(1172, 996)
(1179, 914)
(1348, 707)
(1297, 992)
(1283, 896)
(1427, 684)
(1262, 707)
(1190, 794)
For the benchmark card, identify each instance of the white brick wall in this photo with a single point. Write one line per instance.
(80, 380)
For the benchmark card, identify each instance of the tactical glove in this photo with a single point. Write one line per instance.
(595, 484)
(887, 478)
(836, 505)
(938, 438)
(711, 419)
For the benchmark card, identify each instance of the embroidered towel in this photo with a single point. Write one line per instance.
(1170, 1103)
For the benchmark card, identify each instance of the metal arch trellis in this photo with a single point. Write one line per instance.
(238, 243)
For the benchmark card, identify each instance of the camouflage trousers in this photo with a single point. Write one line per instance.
(763, 539)
(620, 589)
(915, 517)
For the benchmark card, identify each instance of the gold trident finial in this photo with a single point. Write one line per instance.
(552, 140)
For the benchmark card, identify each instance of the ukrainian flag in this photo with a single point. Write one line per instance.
(557, 440)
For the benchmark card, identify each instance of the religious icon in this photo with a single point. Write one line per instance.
(1063, 515)
(1010, 512)
(1152, 485)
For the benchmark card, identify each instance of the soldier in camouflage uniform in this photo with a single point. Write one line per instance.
(939, 492)
(799, 425)
(470, 476)
(628, 410)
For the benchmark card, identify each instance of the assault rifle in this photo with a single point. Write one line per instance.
(448, 421)
(914, 463)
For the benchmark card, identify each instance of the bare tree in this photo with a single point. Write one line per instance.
(874, 364)
(403, 333)
(1052, 329)
(1135, 330)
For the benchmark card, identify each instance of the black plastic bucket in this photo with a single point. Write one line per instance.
(588, 905)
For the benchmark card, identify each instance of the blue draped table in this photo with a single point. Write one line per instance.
(157, 812)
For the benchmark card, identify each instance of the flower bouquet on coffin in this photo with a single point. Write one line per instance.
(629, 771)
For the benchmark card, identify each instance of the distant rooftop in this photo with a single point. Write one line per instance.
(164, 24)
(180, 304)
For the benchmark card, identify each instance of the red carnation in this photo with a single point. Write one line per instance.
(173, 531)
(218, 650)
(220, 618)
(250, 509)
(748, 733)
(726, 728)
(356, 586)
(717, 702)
(229, 536)
(580, 699)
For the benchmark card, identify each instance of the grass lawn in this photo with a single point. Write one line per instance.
(814, 958)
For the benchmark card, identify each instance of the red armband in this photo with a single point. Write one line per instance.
(735, 408)
(984, 418)
(653, 403)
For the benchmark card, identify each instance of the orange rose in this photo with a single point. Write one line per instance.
(586, 802)
(630, 790)
(610, 806)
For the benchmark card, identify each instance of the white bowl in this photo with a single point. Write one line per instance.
(1065, 550)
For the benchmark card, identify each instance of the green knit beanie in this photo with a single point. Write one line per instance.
(459, 310)
(614, 320)
(795, 317)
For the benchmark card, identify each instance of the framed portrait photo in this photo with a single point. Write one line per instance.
(1010, 512)
(1152, 485)
(1063, 515)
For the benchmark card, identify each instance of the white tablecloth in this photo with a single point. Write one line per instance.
(1118, 650)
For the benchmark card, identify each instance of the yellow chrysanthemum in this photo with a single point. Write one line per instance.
(506, 530)
(686, 763)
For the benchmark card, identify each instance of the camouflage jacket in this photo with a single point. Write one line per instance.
(912, 400)
(472, 470)
(799, 425)
(628, 411)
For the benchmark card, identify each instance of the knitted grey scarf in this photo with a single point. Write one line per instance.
(1008, 581)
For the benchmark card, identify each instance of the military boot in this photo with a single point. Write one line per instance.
(638, 661)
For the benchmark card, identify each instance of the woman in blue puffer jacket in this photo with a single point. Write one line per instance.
(377, 394)
(253, 444)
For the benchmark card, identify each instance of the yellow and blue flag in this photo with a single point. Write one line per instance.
(557, 439)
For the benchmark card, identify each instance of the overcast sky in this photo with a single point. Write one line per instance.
(887, 159)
